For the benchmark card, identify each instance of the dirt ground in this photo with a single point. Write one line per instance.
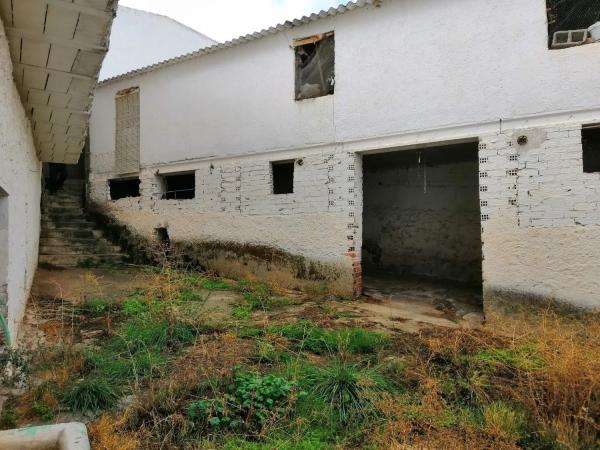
(408, 306)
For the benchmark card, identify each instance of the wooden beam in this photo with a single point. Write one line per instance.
(44, 38)
(80, 8)
(56, 108)
(57, 72)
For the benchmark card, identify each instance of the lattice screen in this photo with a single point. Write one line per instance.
(127, 133)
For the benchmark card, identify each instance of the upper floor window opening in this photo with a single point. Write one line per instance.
(571, 22)
(315, 64)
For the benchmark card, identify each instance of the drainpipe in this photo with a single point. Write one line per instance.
(5, 329)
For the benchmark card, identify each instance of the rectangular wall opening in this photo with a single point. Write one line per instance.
(124, 188)
(569, 20)
(315, 66)
(179, 186)
(283, 177)
(421, 223)
(590, 140)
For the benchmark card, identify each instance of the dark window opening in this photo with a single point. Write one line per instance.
(283, 177)
(179, 187)
(124, 188)
(590, 139)
(315, 62)
(570, 15)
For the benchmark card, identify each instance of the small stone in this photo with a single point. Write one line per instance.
(474, 319)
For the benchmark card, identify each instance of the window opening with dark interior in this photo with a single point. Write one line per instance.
(569, 20)
(283, 177)
(315, 63)
(590, 140)
(181, 186)
(124, 188)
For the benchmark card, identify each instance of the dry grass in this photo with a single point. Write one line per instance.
(106, 434)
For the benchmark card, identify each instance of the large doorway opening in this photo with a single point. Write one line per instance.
(422, 226)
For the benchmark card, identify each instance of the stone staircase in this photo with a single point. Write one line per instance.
(68, 238)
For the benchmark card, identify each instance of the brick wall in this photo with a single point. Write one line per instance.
(540, 216)
(319, 221)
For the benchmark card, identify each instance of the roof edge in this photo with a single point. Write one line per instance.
(323, 14)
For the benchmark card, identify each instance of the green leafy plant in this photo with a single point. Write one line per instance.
(43, 411)
(248, 402)
(91, 395)
(96, 306)
(15, 367)
(134, 307)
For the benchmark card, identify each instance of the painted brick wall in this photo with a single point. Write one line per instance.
(320, 220)
(20, 190)
(540, 217)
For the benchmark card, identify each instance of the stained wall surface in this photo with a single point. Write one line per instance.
(20, 186)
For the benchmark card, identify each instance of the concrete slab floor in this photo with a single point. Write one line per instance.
(417, 302)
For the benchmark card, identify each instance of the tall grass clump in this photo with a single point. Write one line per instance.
(91, 395)
(349, 390)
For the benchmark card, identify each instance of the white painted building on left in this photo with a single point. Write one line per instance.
(50, 58)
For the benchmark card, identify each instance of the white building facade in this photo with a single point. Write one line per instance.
(410, 76)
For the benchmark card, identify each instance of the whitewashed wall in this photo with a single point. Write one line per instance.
(20, 178)
(139, 39)
(407, 73)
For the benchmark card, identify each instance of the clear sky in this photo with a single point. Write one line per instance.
(226, 19)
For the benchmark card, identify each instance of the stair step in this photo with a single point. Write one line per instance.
(75, 260)
(100, 247)
(70, 233)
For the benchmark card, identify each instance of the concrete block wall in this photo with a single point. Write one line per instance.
(234, 203)
(540, 217)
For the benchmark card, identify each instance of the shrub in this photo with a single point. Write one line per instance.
(249, 402)
(42, 411)
(91, 395)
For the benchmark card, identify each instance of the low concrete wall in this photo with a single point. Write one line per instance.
(228, 259)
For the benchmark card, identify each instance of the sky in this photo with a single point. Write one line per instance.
(223, 20)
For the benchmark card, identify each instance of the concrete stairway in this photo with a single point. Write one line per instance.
(68, 238)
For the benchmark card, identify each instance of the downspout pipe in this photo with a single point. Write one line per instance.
(5, 330)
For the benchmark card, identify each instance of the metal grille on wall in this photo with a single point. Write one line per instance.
(566, 15)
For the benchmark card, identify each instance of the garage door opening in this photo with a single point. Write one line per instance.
(421, 226)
